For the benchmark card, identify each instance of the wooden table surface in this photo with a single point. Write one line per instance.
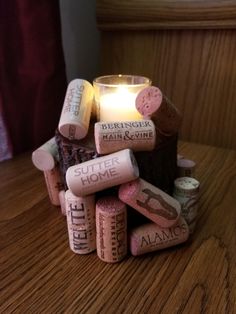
(39, 273)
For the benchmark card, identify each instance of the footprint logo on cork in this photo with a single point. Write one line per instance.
(151, 203)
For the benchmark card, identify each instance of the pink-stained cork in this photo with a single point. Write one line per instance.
(148, 100)
(62, 202)
(45, 157)
(151, 202)
(82, 209)
(151, 103)
(111, 225)
(103, 172)
(186, 167)
(76, 111)
(150, 237)
(54, 184)
(113, 136)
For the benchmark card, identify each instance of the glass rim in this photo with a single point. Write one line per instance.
(98, 80)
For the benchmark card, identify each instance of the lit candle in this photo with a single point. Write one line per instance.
(115, 97)
(119, 106)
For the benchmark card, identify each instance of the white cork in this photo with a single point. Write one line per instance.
(186, 192)
(101, 173)
(45, 157)
(76, 111)
(113, 136)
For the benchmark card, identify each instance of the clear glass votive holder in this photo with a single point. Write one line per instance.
(115, 96)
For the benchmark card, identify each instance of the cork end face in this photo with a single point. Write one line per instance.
(148, 100)
(43, 160)
(186, 163)
(73, 131)
(110, 204)
(187, 183)
(129, 190)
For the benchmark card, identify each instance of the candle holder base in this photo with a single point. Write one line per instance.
(159, 166)
(73, 152)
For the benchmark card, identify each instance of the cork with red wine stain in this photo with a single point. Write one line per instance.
(54, 184)
(151, 202)
(111, 225)
(152, 104)
(150, 237)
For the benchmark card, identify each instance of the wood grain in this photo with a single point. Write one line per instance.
(196, 69)
(39, 273)
(167, 14)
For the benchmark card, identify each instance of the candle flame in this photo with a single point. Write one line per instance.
(123, 93)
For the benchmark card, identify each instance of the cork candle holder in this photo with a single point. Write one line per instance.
(123, 159)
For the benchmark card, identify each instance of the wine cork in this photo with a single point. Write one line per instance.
(186, 191)
(54, 184)
(62, 202)
(150, 237)
(45, 157)
(186, 167)
(80, 214)
(103, 172)
(151, 103)
(113, 136)
(76, 111)
(151, 202)
(111, 225)
(82, 209)
(82, 238)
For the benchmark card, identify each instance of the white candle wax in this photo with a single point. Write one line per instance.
(119, 106)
